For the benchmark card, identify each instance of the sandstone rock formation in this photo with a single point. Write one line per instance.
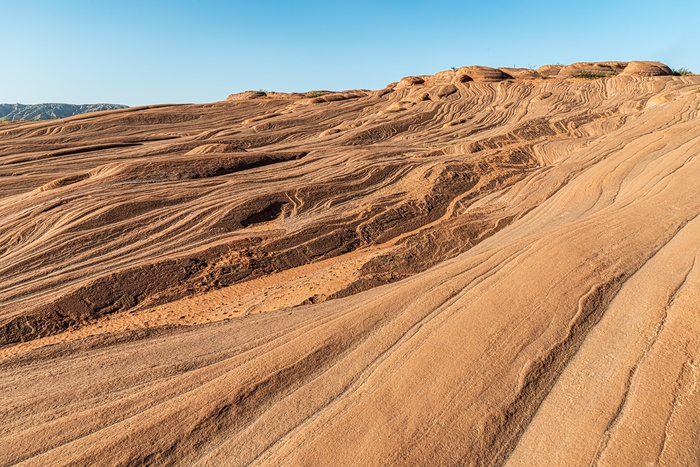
(647, 69)
(549, 71)
(500, 270)
(593, 68)
(483, 74)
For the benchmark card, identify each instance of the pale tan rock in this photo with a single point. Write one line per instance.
(641, 68)
(548, 71)
(521, 73)
(592, 68)
(483, 74)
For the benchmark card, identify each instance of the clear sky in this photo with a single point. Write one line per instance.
(138, 52)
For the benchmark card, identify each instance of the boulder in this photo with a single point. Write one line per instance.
(521, 73)
(409, 81)
(642, 68)
(483, 74)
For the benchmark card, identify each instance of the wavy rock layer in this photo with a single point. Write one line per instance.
(445, 271)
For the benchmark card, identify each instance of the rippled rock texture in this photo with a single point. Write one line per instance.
(482, 267)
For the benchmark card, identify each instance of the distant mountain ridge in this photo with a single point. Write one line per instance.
(51, 111)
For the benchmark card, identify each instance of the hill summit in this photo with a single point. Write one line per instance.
(484, 74)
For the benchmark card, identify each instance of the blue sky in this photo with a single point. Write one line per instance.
(174, 51)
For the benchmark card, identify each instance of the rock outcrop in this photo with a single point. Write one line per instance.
(591, 69)
(499, 270)
(641, 68)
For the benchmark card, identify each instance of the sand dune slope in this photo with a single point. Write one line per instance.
(460, 269)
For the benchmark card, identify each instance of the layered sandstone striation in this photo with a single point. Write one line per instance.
(482, 266)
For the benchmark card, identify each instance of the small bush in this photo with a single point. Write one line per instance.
(682, 72)
(593, 74)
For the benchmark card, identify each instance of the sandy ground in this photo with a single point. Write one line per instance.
(480, 267)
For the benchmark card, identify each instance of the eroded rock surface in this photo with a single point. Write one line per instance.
(482, 266)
